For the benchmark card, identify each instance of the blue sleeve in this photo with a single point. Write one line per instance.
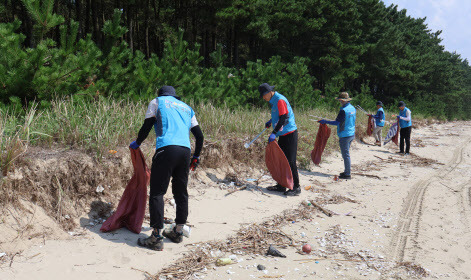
(340, 118)
(379, 115)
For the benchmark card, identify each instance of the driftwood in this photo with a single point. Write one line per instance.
(367, 175)
(325, 211)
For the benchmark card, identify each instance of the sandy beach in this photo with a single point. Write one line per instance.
(400, 217)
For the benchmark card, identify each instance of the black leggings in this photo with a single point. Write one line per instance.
(169, 161)
(289, 146)
(405, 135)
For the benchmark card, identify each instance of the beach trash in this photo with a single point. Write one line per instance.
(223, 261)
(261, 267)
(272, 251)
(307, 248)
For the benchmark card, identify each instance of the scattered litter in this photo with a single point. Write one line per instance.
(2, 255)
(261, 267)
(100, 189)
(272, 251)
(223, 261)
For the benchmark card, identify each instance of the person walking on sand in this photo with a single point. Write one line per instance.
(172, 120)
(379, 121)
(405, 123)
(284, 127)
(345, 123)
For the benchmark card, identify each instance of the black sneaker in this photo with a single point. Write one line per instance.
(343, 176)
(276, 188)
(399, 152)
(173, 235)
(152, 242)
(293, 192)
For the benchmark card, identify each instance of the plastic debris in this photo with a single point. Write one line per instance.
(272, 251)
(100, 189)
(223, 261)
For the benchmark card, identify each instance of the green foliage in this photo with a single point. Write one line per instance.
(41, 12)
(310, 50)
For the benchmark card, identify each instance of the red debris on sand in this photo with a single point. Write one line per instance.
(132, 206)
(323, 134)
(278, 165)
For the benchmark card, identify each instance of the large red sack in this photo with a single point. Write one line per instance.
(278, 165)
(323, 134)
(371, 125)
(132, 206)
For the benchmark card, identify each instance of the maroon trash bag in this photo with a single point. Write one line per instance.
(369, 129)
(278, 165)
(132, 206)
(323, 134)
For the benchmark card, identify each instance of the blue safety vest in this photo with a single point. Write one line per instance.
(173, 123)
(380, 122)
(403, 113)
(290, 125)
(347, 128)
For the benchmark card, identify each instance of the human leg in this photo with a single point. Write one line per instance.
(407, 133)
(344, 143)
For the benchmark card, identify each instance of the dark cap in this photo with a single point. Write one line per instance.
(168, 91)
(265, 88)
(401, 104)
(379, 103)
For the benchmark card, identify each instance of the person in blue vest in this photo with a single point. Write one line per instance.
(172, 121)
(345, 123)
(379, 121)
(284, 127)
(405, 123)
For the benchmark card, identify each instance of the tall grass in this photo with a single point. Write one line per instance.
(106, 124)
(14, 136)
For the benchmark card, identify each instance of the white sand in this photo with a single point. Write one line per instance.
(414, 213)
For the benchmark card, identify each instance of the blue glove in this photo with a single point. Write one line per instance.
(398, 117)
(322, 121)
(134, 145)
(271, 138)
(268, 124)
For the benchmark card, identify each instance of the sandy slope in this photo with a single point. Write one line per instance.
(417, 210)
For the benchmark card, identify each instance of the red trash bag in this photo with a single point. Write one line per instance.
(371, 125)
(132, 206)
(278, 165)
(323, 134)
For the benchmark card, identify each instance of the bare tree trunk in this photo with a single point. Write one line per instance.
(235, 44)
(87, 17)
(130, 27)
(146, 24)
(78, 17)
(96, 27)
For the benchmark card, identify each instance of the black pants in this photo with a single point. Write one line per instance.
(405, 135)
(169, 161)
(289, 146)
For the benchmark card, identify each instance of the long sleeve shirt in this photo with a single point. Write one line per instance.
(407, 117)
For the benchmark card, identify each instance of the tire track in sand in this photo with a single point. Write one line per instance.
(409, 221)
